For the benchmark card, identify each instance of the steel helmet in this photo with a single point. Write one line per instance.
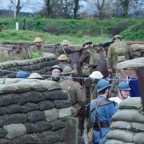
(62, 57)
(67, 70)
(123, 85)
(35, 76)
(86, 42)
(56, 67)
(65, 42)
(117, 36)
(22, 74)
(96, 75)
(37, 40)
(103, 84)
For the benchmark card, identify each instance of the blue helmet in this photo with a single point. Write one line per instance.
(22, 74)
(103, 84)
(123, 85)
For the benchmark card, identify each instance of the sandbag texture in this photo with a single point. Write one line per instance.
(128, 123)
(30, 115)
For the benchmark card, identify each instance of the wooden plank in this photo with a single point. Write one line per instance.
(140, 74)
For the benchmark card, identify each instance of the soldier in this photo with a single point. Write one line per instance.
(74, 91)
(37, 50)
(123, 92)
(63, 59)
(55, 73)
(89, 62)
(102, 110)
(95, 76)
(118, 51)
(64, 48)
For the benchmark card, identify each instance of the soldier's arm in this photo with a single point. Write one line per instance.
(71, 50)
(81, 98)
(109, 58)
(84, 56)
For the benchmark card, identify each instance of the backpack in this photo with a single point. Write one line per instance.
(94, 58)
(120, 53)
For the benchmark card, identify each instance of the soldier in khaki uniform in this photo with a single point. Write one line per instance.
(74, 91)
(65, 48)
(88, 61)
(37, 50)
(63, 59)
(118, 51)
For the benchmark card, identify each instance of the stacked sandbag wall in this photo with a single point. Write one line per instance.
(40, 65)
(127, 124)
(33, 112)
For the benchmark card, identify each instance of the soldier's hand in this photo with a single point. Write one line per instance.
(110, 70)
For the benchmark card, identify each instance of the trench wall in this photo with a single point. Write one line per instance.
(40, 65)
(33, 112)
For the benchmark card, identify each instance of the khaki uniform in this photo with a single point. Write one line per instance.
(37, 51)
(94, 93)
(63, 64)
(85, 60)
(75, 92)
(66, 51)
(113, 56)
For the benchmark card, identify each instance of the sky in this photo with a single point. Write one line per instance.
(30, 6)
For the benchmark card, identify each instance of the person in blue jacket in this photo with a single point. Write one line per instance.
(102, 110)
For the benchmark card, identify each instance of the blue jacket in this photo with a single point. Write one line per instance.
(104, 114)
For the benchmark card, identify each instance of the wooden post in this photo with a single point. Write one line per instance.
(72, 131)
(140, 74)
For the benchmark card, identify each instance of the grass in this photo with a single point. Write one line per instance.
(29, 36)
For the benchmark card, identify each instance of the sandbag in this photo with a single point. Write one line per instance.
(114, 141)
(129, 115)
(55, 95)
(30, 107)
(137, 127)
(37, 127)
(29, 139)
(35, 116)
(131, 103)
(56, 125)
(139, 138)
(62, 103)
(137, 47)
(7, 99)
(50, 137)
(46, 105)
(120, 125)
(15, 130)
(134, 63)
(122, 135)
(13, 118)
(31, 96)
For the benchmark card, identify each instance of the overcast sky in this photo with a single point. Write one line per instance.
(30, 5)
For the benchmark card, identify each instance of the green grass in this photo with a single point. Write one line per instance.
(29, 36)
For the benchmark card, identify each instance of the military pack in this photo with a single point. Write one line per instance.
(120, 53)
(94, 58)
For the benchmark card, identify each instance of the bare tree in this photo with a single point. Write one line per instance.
(20, 4)
(125, 5)
(136, 7)
(76, 7)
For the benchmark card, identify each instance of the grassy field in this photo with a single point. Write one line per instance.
(29, 36)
